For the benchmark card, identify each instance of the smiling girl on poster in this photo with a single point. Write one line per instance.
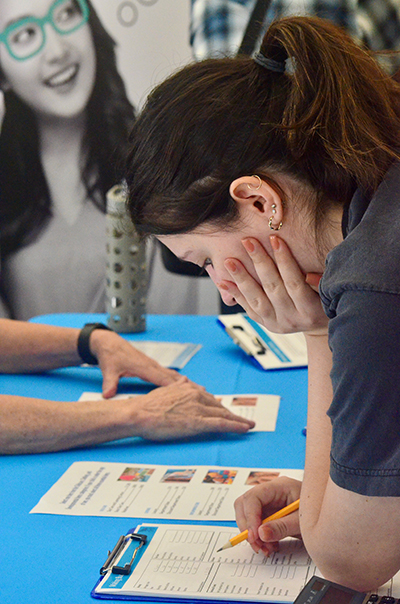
(64, 130)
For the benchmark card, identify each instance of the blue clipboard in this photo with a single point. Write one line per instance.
(126, 565)
(267, 351)
(128, 562)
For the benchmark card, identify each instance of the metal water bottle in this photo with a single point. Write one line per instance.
(126, 275)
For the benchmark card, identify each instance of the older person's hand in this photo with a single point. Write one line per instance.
(180, 410)
(118, 358)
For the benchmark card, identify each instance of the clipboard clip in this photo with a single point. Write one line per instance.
(112, 556)
(252, 345)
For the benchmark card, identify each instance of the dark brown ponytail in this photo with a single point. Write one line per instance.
(341, 107)
(330, 120)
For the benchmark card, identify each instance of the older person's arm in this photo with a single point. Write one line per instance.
(31, 347)
(179, 410)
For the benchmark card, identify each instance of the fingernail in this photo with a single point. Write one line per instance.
(248, 245)
(265, 533)
(275, 242)
(231, 266)
(313, 279)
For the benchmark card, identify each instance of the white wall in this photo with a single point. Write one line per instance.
(153, 41)
(152, 38)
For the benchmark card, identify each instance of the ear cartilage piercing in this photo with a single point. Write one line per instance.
(273, 207)
(259, 183)
(272, 227)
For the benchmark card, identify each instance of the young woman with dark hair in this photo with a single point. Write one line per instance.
(63, 137)
(270, 172)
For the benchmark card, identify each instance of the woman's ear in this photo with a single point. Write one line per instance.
(257, 195)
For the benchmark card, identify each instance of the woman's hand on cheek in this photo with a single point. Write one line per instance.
(313, 280)
(282, 300)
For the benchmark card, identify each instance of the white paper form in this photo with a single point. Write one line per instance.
(137, 490)
(169, 354)
(182, 561)
(261, 408)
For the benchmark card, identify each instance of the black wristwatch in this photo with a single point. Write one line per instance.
(83, 342)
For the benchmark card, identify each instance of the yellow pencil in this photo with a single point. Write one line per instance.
(292, 507)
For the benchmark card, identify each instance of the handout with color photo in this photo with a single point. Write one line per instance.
(140, 490)
(261, 408)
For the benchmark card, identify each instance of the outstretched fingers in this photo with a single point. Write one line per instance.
(220, 419)
(210, 415)
(184, 409)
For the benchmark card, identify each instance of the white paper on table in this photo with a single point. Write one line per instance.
(174, 355)
(261, 408)
(141, 490)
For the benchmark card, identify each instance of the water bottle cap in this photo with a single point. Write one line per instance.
(116, 199)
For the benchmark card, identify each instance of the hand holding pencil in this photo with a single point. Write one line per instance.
(292, 507)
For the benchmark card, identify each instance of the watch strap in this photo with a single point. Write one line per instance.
(84, 342)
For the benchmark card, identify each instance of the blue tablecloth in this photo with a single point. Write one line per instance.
(56, 559)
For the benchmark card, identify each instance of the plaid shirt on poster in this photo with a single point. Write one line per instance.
(217, 26)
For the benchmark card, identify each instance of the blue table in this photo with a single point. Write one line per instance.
(56, 559)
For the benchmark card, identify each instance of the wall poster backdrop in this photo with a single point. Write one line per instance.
(72, 72)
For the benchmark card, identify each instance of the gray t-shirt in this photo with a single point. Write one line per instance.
(63, 270)
(360, 291)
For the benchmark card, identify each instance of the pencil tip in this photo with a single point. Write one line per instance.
(220, 549)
